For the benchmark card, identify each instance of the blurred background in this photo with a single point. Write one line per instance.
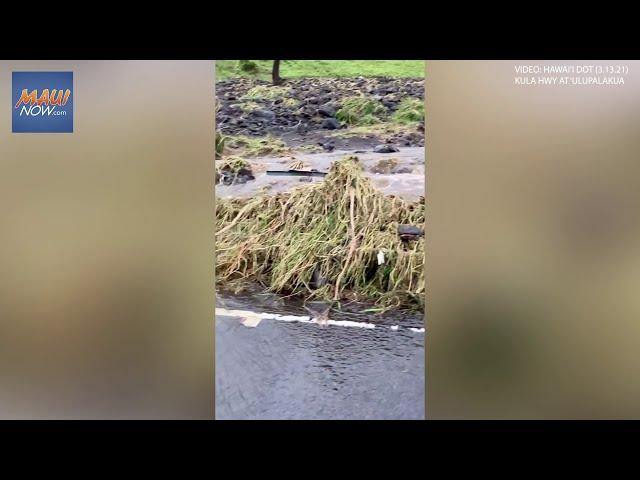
(534, 245)
(105, 247)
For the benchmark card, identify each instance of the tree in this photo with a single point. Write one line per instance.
(275, 73)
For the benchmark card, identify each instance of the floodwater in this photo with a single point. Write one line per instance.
(409, 185)
(295, 370)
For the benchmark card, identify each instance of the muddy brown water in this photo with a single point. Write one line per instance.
(410, 185)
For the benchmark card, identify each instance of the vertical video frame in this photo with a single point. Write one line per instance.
(320, 246)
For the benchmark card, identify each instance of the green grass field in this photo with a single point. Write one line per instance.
(324, 68)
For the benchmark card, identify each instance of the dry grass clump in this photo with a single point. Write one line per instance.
(381, 130)
(266, 92)
(256, 146)
(297, 164)
(290, 103)
(337, 230)
(232, 164)
(249, 106)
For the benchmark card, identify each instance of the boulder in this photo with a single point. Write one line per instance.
(386, 148)
(266, 114)
(326, 111)
(331, 124)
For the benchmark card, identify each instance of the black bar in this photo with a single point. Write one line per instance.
(297, 173)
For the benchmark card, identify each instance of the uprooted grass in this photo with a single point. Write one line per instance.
(249, 106)
(382, 131)
(297, 165)
(410, 110)
(256, 146)
(232, 164)
(360, 110)
(338, 228)
(266, 92)
(379, 129)
(290, 103)
(220, 143)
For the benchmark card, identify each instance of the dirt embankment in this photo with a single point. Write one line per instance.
(306, 111)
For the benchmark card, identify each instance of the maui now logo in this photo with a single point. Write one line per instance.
(42, 102)
(34, 104)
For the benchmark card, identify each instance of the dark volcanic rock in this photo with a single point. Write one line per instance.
(331, 124)
(307, 104)
(232, 178)
(268, 114)
(326, 111)
(329, 147)
(386, 148)
(409, 232)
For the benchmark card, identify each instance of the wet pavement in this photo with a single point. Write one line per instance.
(297, 370)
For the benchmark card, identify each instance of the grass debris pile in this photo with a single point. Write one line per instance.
(360, 110)
(249, 147)
(332, 240)
(410, 110)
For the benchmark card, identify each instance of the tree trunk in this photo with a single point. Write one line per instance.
(275, 72)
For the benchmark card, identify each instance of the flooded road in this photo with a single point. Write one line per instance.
(299, 370)
(406, 180)
(272, 362)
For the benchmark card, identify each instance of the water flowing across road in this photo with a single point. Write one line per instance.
(281, 365)
(407, 180)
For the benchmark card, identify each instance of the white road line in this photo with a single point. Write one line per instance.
(248, 314)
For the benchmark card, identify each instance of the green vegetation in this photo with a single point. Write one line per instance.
(410, 110)
(343, 229)
(248, 66)
(320, 68)
(220, 143)
(360, 110)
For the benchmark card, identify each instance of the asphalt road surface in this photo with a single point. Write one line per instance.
(291, 370)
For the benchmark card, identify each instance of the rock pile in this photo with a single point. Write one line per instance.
(302, 105)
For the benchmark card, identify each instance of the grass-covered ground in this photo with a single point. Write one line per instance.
(323, 68)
